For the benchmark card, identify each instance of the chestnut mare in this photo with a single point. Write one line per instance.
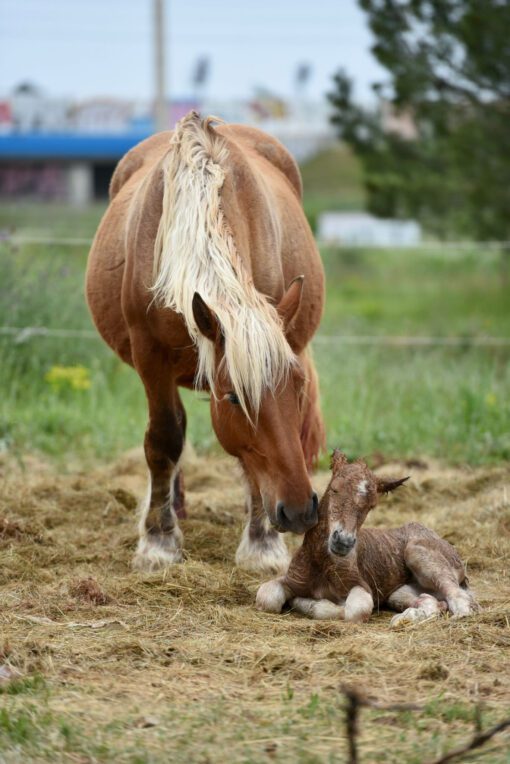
(204, 273)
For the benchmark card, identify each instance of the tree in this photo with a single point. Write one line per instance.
(449, 71)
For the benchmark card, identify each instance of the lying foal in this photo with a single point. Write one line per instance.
(342, 570)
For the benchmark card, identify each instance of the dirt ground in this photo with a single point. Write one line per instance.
(118, 666)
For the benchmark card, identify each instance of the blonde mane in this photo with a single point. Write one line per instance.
(195, 252)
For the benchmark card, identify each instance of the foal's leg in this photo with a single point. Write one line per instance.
(414, 605)
(435, 573)
(358, 605)
(160, 538)
(272, 595)
(262, 549)
(321, 610)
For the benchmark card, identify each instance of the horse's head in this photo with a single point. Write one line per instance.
(267, 440)
(352, 492)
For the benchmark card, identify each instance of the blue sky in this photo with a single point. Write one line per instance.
(84, 48)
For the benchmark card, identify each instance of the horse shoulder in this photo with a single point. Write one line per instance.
(301, 577)
(381, 559)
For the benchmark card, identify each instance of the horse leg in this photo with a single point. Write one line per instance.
(322, 610)
(413, 605)
(160, 538)
(262, 549)
(435, 573)
(358, 605)
(178, 501)
(272, 595)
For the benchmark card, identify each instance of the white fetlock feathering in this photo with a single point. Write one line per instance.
(267, 555)
(158, 550)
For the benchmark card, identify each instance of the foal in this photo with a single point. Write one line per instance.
(342, 570)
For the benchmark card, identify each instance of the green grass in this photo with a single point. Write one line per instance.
(306, 730)
(449, 403)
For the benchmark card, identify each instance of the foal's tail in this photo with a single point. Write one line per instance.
(313, 435)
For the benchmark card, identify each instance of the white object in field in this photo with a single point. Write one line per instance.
(360, 228)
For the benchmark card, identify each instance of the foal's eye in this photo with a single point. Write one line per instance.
(232, 398)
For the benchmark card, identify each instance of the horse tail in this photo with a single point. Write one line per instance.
(313, 434)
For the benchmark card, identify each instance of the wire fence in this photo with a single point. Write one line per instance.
(432, 246)
(21, 334)
(46, 241)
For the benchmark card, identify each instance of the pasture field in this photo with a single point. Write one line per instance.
(71, 397)
(121, 667)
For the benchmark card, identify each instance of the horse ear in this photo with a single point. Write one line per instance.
(338, 459)
(385, 486)
(289, 304)
(205, 318)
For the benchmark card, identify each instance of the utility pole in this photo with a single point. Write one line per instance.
(161, 106)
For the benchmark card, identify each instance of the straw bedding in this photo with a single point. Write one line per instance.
(187, 648)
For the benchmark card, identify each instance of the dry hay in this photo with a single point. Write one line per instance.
(185, 653)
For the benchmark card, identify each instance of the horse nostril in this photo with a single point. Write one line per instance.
(341, 542)
(315, 502)
(296, 518)
(281, 517)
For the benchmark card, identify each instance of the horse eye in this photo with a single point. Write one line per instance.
(232, 398)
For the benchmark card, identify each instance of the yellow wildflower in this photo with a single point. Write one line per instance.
(68, 377)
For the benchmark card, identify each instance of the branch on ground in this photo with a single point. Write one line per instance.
(357, 700)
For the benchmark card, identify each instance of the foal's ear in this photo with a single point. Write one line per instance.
(385, 486)
(291, 300)
(338, 459)
(205, 318)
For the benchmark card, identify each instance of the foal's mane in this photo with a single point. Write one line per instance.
(195, 251)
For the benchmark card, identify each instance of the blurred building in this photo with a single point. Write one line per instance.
(54, 148)
(362, 229)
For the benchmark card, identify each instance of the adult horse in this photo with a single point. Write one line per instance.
(204, 273)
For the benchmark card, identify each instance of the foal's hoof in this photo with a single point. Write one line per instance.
(462, 604)
(410, 616)
(267, 555)
(156, 552)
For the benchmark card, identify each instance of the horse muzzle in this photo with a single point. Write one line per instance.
(341, 543)
(297, 519)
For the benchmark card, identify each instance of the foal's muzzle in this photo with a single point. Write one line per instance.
(296, 518)
(341, 543)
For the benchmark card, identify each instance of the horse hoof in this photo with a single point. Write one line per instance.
(268, 555)
(156, 552)
(462, 605)
(412, 615)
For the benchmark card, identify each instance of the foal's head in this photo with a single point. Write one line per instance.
(352, 492)
(266, 440)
